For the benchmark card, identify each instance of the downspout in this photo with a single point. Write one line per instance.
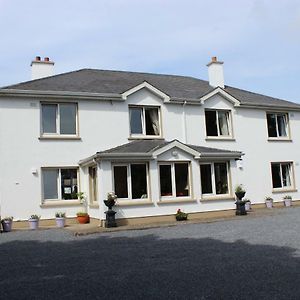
(184, 123)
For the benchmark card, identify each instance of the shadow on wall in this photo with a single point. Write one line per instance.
(147, 268)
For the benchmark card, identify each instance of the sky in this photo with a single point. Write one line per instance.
(258, 40)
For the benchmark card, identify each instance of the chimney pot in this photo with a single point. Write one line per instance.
(41, 68)
(46, 59)
(214, 59)
(37, 58)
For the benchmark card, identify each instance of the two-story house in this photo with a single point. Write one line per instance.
(161, 142)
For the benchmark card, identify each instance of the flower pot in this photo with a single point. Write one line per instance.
(269, 204)
(60, 222)
(288, 202)
(240, 195)
(181, 218)
(83, 219)
(6, 225)
(33, 223)
(248, 206)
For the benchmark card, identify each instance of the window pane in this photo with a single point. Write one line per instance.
(223, 118)
(276, 176)
(182, 180)
(139, 181)
(206, 183)
(69, 187)
(152, 121)
(271, 120)
(165, 180)
(221, 178)
(281, 121)
(211, 123)
(120, 181)
(49, 118)
(50, 184)
(67, 114)
(286, 174)
(136, 120)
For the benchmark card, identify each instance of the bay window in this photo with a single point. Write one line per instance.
(174, 179)
(60, 183)
(144, 121)
(214, 178)
(282, 175)
(59, 119)
(131, 181)
(218, 123)
(277, 125)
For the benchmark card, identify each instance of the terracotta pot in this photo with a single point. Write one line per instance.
(83, 219)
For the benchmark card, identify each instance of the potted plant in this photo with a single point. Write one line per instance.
(34, 221)
(240, 204)
(83, 217)
(7, 224)
(180, 215)
(287, 200)
(240, 191)
(110, 220)
(247, 204)
(269, 202)
(60, 219)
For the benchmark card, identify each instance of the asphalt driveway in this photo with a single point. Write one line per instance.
(244, 258)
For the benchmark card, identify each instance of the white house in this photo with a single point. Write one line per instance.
(161, 142)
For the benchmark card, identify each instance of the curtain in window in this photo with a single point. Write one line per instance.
(154, 121)
(223, 122)
(281, 121)
(286, 175)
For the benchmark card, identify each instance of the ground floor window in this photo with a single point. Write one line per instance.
(60, 183)
(174, 179)
(131, 181)
(93, 183)
(214, 178)
(282, 175)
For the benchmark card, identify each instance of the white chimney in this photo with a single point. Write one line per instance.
(215, 73)
(41, 68)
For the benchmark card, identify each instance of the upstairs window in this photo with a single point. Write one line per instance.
(277, 125)
(214, 178)
(59, 119)
(218, 123)
(282, 175)
(144, 121)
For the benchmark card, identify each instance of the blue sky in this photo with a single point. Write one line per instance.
(258, 40)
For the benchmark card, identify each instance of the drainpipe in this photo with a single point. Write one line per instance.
(184, 123)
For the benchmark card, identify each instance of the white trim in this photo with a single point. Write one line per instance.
(221, 92)
(148, 86)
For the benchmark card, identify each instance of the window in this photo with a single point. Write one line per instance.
(214, 178)
(282, 175)
(60, 183)
(59, 119)
(218, 123)
(277, 125)
(174, 179)
(93, 180)
(131, 181)
(144, 121)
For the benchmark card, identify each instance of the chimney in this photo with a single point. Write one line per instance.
(41, 68)
(215, 73)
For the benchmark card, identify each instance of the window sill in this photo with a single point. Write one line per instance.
(152, 137)
(60, 137)
(181, 200)
(279, 140)
(291, 190)
(133, 202)
(229, 139)
(217, 198)
(60, 203)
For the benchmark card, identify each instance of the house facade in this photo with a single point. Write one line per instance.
(161, 142)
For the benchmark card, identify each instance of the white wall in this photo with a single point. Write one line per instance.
(105, 124)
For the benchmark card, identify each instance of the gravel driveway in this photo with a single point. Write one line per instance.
(243, 258)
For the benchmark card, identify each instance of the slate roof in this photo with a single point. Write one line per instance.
(149, 146)
(117, 82)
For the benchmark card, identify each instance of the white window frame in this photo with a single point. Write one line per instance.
(292, 176)
(173, 180)
(229, 120)
(59, 193)
(287, 127)
(143, 122)
(212, 170)
(57, 133)
(129, 186)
